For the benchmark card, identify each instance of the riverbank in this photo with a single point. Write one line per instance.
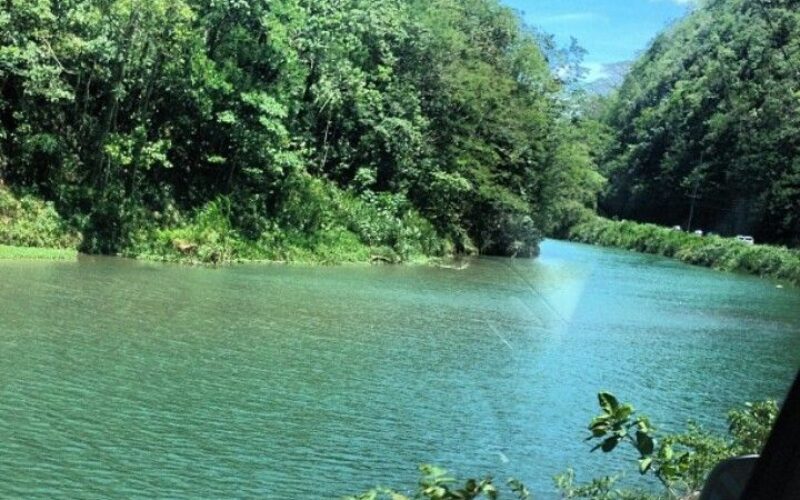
(348, 230)
(725, 254)
(325, 248)
(32, 253)
(341, 229)
(31, 229)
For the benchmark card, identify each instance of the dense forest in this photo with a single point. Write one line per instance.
(218, 130)
(706, 126)
(233, 129)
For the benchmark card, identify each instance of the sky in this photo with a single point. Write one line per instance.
(611, 30)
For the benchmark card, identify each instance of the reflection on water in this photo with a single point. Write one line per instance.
(120, 378)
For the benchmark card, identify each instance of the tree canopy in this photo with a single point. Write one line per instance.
(709, 117)
(133, 115)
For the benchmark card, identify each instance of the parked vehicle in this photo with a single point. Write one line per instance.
(747, 240)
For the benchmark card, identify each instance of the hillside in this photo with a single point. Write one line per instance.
(274, 129)
(710, 117)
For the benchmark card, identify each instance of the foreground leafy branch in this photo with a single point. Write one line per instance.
(617, 424)
(436, 484)
(680, 462)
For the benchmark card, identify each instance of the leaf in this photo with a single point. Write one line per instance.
(644, 464)
(227, 117)
(601, 421)
(608, 402)
(599, 426)
(623, 412)
(644, 443)
(609, 444)
(643, 423)
(519, 488)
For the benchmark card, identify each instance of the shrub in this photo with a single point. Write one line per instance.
(681, 462)
(30, 222)
(725, 254)
(316, 222)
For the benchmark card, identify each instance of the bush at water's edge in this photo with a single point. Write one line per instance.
(318, 223)
(27, 221)
(32, 229)
(323, 225)
(681, 462)
(726, 254)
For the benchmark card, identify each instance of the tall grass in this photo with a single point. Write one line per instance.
(725, 254)
(27, 221)
(30, 253)
(317, 223)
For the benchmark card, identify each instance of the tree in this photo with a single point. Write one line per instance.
(709, 118)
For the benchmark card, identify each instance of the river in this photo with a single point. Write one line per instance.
(121, 378)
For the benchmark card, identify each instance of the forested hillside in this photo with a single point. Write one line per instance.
(227, 129)
(711, 113)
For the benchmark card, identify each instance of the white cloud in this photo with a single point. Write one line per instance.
(595, 71)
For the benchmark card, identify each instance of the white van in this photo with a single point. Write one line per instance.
(747, 240)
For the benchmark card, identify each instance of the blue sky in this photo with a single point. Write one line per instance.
(611, 30)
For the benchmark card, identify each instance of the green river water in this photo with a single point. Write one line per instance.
(121, 379)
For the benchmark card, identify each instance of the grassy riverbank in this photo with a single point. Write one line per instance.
(33, 253)
(726, 254)
(326, 226)
(31, 229)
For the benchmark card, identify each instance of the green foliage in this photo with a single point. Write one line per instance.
(436, 484)
(572, 195)
(710, 114)
(29, 222)
(602, 488)
(318, 223)
(209, 238)
(681, 462)
(750, 426)
(419, 127)
(36, 253)
(618, 424)
(725, 254)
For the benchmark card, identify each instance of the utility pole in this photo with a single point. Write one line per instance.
(694, 196)
(691, 207)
